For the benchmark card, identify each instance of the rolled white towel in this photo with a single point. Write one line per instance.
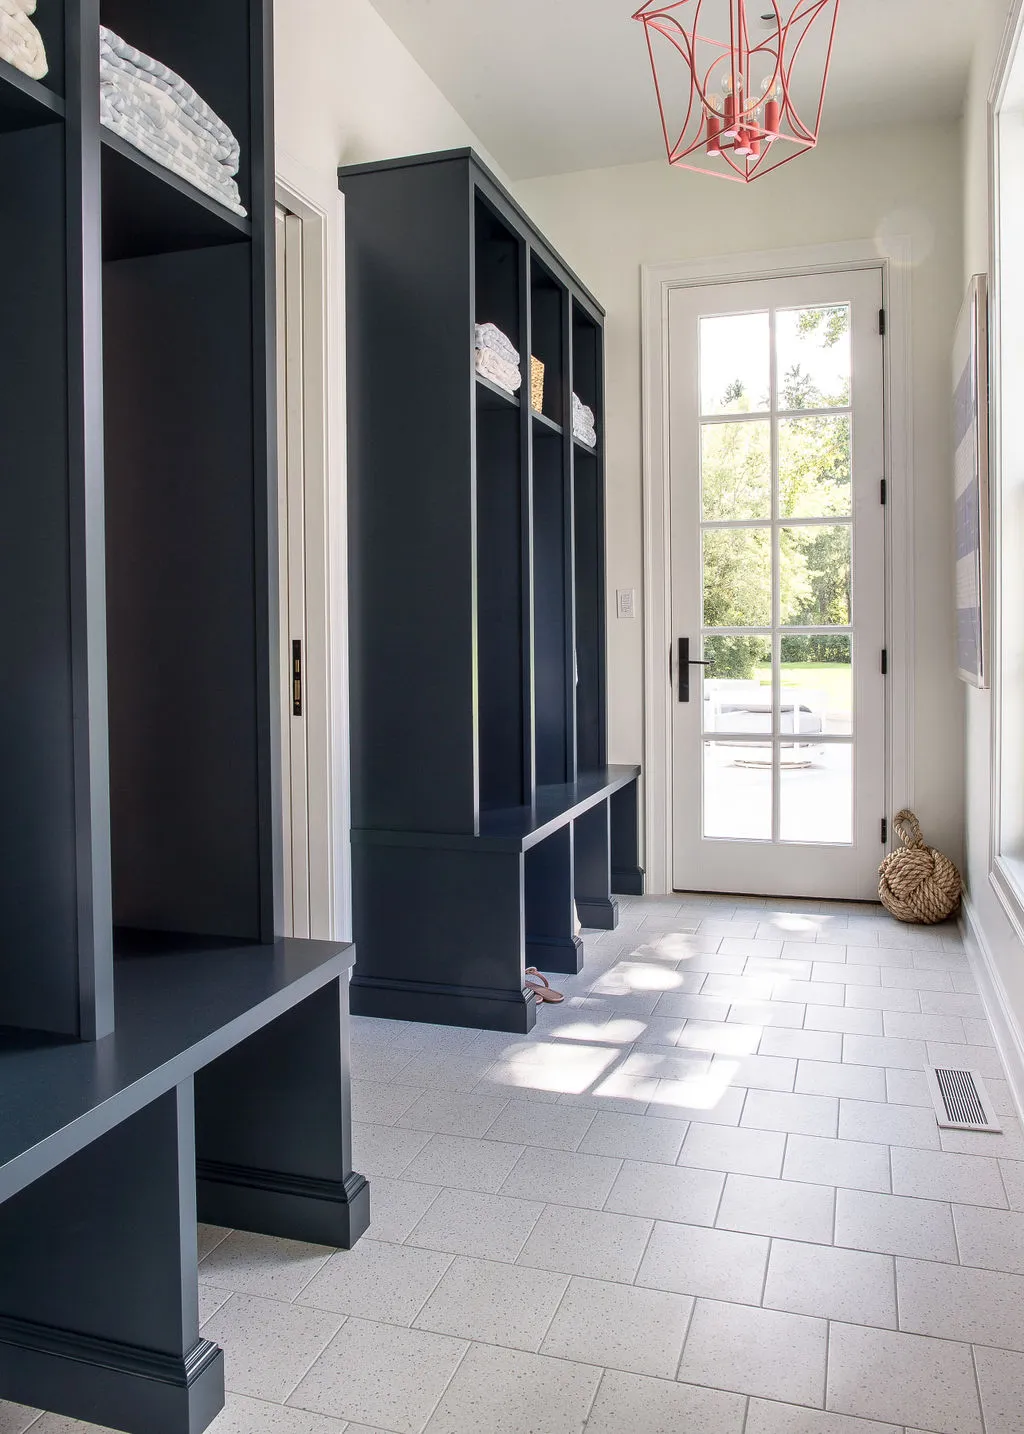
(18, 7)
(580, 412)
(489, 336)
(506, 375)
(21, 44)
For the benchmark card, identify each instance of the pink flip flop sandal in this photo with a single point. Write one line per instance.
(542, 987)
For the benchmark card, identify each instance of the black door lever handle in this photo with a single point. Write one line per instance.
(685, 663)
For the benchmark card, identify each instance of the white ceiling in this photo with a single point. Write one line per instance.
(558, 85)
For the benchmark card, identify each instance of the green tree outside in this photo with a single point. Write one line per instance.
(814, 482)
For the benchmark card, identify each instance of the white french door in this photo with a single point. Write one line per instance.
(776, 458)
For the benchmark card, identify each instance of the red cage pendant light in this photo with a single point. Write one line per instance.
(740, 85)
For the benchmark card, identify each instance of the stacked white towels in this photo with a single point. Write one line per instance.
(584, 426)
(497, 358)
(21, 44)
(156, 111)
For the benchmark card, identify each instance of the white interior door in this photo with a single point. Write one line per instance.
(291, 525)
(777, 455)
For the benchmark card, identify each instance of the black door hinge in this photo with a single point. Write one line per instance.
(296, 678)
(881, 322)
(885, 661)
(885, 830)
(883, 491)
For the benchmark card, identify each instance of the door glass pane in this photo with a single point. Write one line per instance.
(816, 791)
(738, 790)
(735, 363)
(814, 466)
(737, 577)
(817, 684)
(814, 576)
(738, 685)
(736, 470)
(812, 350)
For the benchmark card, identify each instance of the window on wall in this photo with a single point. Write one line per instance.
(1008, 487)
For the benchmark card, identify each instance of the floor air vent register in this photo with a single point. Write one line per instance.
(961, 1100)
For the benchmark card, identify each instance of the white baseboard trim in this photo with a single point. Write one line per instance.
(1009, 1037)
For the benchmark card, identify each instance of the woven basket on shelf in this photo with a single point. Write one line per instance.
(536, 384)
(916, 882)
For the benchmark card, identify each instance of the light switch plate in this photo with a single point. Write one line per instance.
(625, 602)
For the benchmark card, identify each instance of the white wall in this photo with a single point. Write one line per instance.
(1002, 945)
(349, 91)
(609, 222)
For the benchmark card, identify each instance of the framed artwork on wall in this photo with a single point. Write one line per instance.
(970, 483)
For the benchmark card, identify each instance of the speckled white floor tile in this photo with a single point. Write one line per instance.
(888, 1124)
(761, 1072)
(377, 1102)
(707, 1098)
(635, 1137)
(1009, 1145)
(210, 1301)
(397, 1206)
(381, 1375)
(756, 1351)
(728, 1053)
(666, 1192)
(593, 1243)
(976, 1058)
(931, 1174)
(207, 1238)
(564, 1177)
(815, 1077)
(694, 1260)
(939, 1001)
(242, 1415)
(784, 1208)
(263, 1265)
(743, 1151)
(494, 1303)
(885, 998)
(951, 1302)
(506, 1391)
(520, 1124)
(719, 1038)
(1001, 1382)
(879, 1374)
(16, 1418)
(907, 1088)
(268, 1345)
(620, 1327)
(377, 1281)
(1012, 1172)
(913, 980)
(452, 1113)
(856, 1164)
(767, 1417)
(838, 1284)
(465, 1164)
(895, 1225)
(884, 1051)
(844, 1020)
(787, 1014)
(384, 1150)
(990, 1239)
(464, 1222)
(636, 1403)
(799, 1114)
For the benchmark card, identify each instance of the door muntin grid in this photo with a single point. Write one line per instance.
(776, 464)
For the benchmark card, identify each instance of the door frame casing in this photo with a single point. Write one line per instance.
(326, 703)
(657, 283)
